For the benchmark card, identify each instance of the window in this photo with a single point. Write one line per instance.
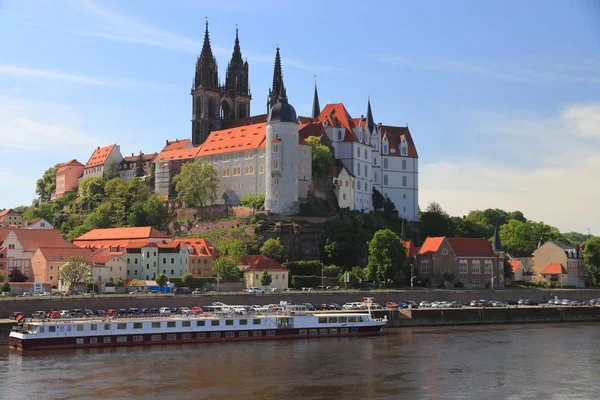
(122, 326)
(339, 135)
(403, 164)
(214, 322)
(425, 266)
(249, 155)
(270, 333)
(275, 164)
(137, 325)
(256, 333)
(243, 322)
(275, 148)
(226, 172)
(156, 325)
(229, 335)
(463, 267)
(366, 155)
(215, 335)
(358, 152)
(138, 338)
(172, 336)
(366, 171)
(276, 196)
(52, 329)
(403, 150)
(312, 332)
(358, 185)
(488, 267)
(475, 267)
(404, 181)
(444, 251)
(79, 340)
(93, 327)
(333, 331)
(385, 148)
(358, 169)
(93, 340)
(304, 168)
(275, 181)
(186, 323)
(170, 324)
(172, 261)
(121, 339)
(323, 331)
(156, 338)
(295, 165)
(385, 163)
(229, 322)
(256, 321)
(261, 169)
(79, 327)
(250, 170)
(385, 179)
(243, 334)
(107, 327)
(201, 335)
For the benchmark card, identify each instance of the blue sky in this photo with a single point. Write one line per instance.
(502, 97)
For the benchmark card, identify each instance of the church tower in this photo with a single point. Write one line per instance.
(277, 83)
(237, 90)
(205, 94)
(281, 184)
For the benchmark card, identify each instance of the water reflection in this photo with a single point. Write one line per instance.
(527, 361)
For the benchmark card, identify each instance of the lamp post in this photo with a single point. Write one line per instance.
(322, 277)
(412, 285)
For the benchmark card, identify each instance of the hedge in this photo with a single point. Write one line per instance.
(332, 271)
(304, 268)
(198, 282)
(300, 281)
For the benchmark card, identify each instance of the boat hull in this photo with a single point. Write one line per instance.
(124, 340)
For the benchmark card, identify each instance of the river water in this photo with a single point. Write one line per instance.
(476, 362)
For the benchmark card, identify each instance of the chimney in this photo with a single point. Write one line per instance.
(98, 148)
(167, 141)
(131, 154)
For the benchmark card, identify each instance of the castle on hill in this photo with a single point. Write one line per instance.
(268, 153)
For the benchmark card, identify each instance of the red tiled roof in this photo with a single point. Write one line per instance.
(70, 163)
(200, 246)
(130, 234)
(514, 265)
(394, 135)
(32, 239)
(310, 129)
(102, 256)
(265, 264)
(54, 253)
(99, 156)
(431, 245)
(6, 211)
(411, 250)
(249, 259)
(136, 157)
(177, 155)
(177, 144)
(235, 139)
(337, 115)
(554, 269)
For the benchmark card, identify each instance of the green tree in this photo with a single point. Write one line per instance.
(5, 288)
(100, 218)
(386, 256)
(188, 280)
(355, 277)
(576, 237)
(139, 166)
(273, 248)
(226, 269)
(448, 276)
(233, 248)
(322, 159)
(265, 279)
(197, 184)
(435, 222)
(389, 208)
(257, 202)
(91, 192)
(76, 271)
(151, 212)
(591, 259)
(47, 183)
(377, 199)
(518, 215)
(161, 280)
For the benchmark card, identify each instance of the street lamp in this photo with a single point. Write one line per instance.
(412, 285)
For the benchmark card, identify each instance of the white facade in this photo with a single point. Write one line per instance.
(281, 162)
(39, 224)
(111, 161)
(343, 185)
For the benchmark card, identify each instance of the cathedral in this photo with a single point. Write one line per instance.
(268, 153)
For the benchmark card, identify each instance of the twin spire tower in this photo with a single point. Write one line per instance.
(215, 106)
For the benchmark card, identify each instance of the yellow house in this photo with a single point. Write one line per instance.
(46, 262)
(253, 274)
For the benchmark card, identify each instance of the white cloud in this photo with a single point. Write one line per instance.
(557, 184)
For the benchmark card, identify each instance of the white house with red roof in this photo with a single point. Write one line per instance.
(10, 217)
(103, 160)
(279, 274)
(128, 166)
(343, 185)
(37, 223)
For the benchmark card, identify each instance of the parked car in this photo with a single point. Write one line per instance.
(335, 306)
(424, 304)
(77, 312)
(164, 311)
(15, 314)
(197, 310)
(527, 302)
(100, 313)
(65, 313)
(352, 306)
(133, 311)
(274, 290)
(321, 307)
(122, 311)
(38, 314)
(154, 311)
(402, 304)
(335, 288)
(413, 304)
(256, 290)
(54, 314)
(391, 304)
(88, 313)
(511, 302)
(181, 290)
(111, 312)
(258, 308)
(307, 289)
(26, 294)
(309, 306)
(198, 292)
(455, 304)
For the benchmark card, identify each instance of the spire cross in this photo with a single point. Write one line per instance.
(315, 79)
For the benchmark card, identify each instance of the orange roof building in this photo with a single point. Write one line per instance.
(201, 256)
(128, 166)
(279, 274)
(9, 217)
(67, 177)
(120, 237)
(101, 160)
(177, 144)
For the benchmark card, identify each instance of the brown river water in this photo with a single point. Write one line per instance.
(538, 361)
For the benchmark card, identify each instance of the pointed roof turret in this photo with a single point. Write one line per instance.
(370, 120)
(206, 50)
(497, 245)
(236, 57)
(541, 242)
(275, 90)
(316, 108)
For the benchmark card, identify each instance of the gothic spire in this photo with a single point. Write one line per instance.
(370, 120)
(276, 89)
(497, 245)
(236, 57)
(206, 50)
(316, 108)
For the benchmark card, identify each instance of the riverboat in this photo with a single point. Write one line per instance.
(292, 322)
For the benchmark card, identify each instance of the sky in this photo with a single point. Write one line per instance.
(502, 97)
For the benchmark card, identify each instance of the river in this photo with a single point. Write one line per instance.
(471, 362)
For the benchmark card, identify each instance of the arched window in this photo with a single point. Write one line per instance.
(385, 163)
(404, 164)
(403, 150)
(385, 179)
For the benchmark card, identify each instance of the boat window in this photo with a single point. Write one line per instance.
(215, 335)
(69, 328)
(344, 330)
(107, 327)
(122, 325)
(186, 335)
(333, 320)
(186, 323)
(360, 319)
(93, 327)
(333, 331)
(243, 334)
(243, 322)
(229, 335)
(156, 338)
(121, 339)
(52, 329)
(351, 319)
(214, 322)
(229, 322)
(200, 323)
(323, 331)
(41, 329)
(171, 336)
(256, 322)
(343, 320)
(303, 332)
(107, 339)
(354, 330)
(271, 333)
(79, 340)
(156, 325)
(313, 331)
(201, 335)
(257, 333)
(93, 340)
(137, 325)
(170, 324)
(79, 328)
(138, 338)
(322, 320)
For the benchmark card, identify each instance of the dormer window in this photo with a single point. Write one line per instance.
(340, 135)
(403, 150)
(385, 148)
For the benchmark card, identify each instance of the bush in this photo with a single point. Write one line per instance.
(459, 285)
(198, 282)
(533, 284)
(299, 281)
(332, 271)
(304, 268)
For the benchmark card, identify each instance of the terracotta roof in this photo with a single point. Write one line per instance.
(310, 129)
(514, 265)
(54, 253)
(250, 259)
(7, 211)
(70, 163)
(394, 135)
(337, 115)
(235, 139)
(554, 269)
(32, 239)
(102, 256)
(99, 156)
(411, 250)
(431, 245)
(181, 154)
(131, 234)
(265, 264)
(136, 157)
(177, 144)
(200, 246)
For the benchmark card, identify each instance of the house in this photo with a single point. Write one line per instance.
(67, 177)
(520, 270)
(128, 166)
(177, 144)
(254, 272)
(10, 217)
(3, 262)
(104, 161)
(21, 245)
(38, 223)
(343, 185)
(47, 261)
(526, 257)
(107, 266)
(201, 256)
(551, 254)
(146, 260)
(120, 237)
(167, 165)
(472, 261)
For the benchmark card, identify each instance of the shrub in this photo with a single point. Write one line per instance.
(299, 281)
(304, 268)
(459, 285)
(332, 271)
